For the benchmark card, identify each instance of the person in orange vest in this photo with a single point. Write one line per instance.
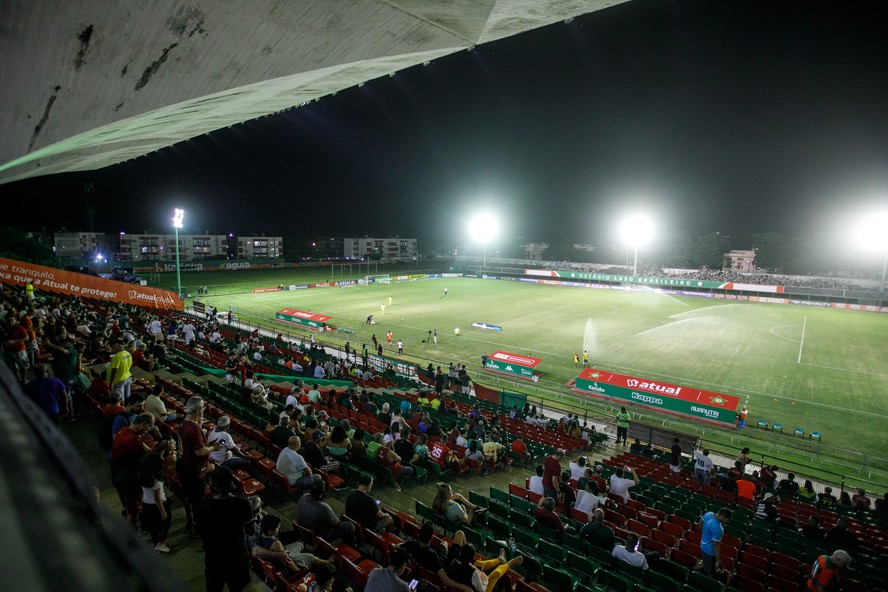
(825, 570)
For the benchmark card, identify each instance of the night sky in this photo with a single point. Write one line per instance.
(736, 117)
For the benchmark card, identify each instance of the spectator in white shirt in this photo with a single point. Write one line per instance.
(536, 482)
(619, 484)
(628, 553)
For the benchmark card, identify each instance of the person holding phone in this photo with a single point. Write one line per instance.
(388, 579)
(628, 552)
(619, 484)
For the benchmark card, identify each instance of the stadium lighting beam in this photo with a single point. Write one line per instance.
(483, 227)
(637, 231)
(871, 235)
(178, 222)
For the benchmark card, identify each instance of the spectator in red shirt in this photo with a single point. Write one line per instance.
(520, 448)
(192, 467)
(126, 454)
(552, 474)
(859, 501)
(16, 346)
(545, 515)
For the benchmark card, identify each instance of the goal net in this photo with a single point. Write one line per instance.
(377, 279)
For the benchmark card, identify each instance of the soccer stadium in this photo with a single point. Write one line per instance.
(463, 417)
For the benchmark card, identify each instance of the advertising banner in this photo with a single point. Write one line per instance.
(69, 283)
(653, 281)
(671, 398)
(487, 326)
(512, 364)
(302, 318)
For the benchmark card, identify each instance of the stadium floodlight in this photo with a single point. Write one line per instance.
(872, 236)
(483, 227)
(636, 231)
(178, 222)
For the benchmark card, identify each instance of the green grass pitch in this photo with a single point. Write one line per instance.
(821, 369)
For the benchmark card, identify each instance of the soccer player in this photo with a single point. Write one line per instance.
(390, 300)
(445, 291)
(585, 358)
(576, 361)
(435, 336)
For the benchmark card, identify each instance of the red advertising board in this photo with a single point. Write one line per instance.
(663, 396)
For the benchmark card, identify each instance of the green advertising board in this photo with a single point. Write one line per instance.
(300, 317)
(512, 364)
(670, 398)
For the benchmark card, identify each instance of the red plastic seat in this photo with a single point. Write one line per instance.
(690, 548)
(755, 561)
(683, 558)
(673, 529)
(684, 523)
(664, 537)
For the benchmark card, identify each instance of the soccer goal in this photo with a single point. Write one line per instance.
(383, 278)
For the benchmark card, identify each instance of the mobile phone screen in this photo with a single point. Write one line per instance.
(413, 584)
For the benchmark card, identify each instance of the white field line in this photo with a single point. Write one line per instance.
(657, 328)
(802, 342)
(782, 336)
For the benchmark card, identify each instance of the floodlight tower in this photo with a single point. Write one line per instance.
(178, 222)
(637, 231)
(483, 228)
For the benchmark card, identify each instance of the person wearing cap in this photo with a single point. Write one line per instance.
(228, 454)
(222, 518)
(825, 570)
(766, 510)
(119, 376)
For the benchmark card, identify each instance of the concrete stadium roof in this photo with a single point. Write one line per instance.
(91, 83)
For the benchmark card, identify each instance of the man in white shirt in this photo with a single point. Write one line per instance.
(578, 468)
(189, 332)
(216, 337)
(156, 328)
(228, 454)
(295, 393)
(619, 484)
(314, 395)
(629, 554)
(587, 499)
(536, 482)
(291, 464)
